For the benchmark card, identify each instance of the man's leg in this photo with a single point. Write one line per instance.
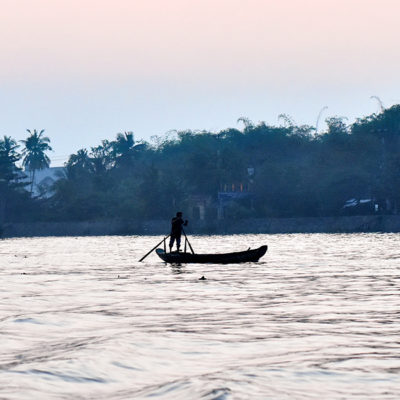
(178, 242)
(171, 242)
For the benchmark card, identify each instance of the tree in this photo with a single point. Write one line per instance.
(8, 158)
(79, 162)
(34, 152)
(126, 149)
(248, 124)
(102, 157)
(124, 143)
(9, 172)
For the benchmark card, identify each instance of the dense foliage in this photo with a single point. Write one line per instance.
(15, 201)
(34, 152)
(287, 170)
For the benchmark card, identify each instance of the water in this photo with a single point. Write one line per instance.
(317, 317)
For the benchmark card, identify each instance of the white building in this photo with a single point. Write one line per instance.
(44, 180)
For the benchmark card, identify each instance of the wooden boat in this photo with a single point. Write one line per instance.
(224, 258)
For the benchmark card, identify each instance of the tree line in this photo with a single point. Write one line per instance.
(15, 193)
(286, 171)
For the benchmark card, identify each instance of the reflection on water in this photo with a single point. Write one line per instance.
(317, 317)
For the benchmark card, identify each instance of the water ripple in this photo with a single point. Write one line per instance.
(318, 317)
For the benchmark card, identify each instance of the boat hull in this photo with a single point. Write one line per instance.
(225, 258)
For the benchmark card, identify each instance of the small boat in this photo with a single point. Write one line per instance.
(224, 258)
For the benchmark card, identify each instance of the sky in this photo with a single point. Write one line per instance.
(85, 70)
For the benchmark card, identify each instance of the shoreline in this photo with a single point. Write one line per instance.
(348, 224)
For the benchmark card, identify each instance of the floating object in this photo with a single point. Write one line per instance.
(223, 258)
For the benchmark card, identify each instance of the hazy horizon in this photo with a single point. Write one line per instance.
(87, 70)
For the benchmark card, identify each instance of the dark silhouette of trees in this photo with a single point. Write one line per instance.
(16, 203)
(8, 158)
(288, 171)
(34, 152)
(295, 171)
(9, 173)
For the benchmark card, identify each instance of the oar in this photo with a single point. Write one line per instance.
(191, 248)
(153, 248)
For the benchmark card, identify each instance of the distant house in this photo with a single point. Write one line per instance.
(360, 206)
(234, 192)
(44, 180)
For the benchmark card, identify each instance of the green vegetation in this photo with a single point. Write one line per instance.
(288, 170)
(34, 153)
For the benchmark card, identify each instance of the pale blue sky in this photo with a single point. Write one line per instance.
(86, 70)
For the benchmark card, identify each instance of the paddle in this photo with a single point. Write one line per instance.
(154, 248)
(187, 240)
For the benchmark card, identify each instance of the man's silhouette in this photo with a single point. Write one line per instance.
(176, 230)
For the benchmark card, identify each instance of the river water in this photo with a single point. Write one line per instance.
(317, 318)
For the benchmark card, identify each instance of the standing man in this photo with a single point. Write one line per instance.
(176, 230)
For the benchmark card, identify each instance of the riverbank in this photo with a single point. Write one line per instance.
(353, 224)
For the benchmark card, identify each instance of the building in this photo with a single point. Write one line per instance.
(44, 180)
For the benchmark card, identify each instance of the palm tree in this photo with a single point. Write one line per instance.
(80, 160)
(8, 147)
(101, 157)
(34, 154)
(124, 142)
(125, 148)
